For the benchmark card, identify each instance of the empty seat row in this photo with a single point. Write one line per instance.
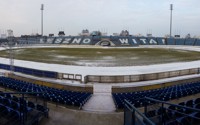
(20, 104)
(48, 93)
(163, 94)
(9, 113)
(13, 109)
(194, 103)
(174, 116)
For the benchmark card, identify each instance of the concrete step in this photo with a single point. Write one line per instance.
(101, 101)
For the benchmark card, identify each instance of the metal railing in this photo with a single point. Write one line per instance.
(132, 116)
(22, 111)
(164, 106)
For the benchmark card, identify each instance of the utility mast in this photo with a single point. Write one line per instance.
(171, 8)
(42, 8)
(11, 43)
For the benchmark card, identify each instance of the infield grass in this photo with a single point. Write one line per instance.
(103, 56)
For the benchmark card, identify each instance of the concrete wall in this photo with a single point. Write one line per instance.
(119, 89)
(141, 77)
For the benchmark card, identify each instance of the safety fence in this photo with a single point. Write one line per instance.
(29, 71)
(166, 113)
(101, 78)
(132, 116)
(42, 73)
(22, 108)
(158, 112)
(152, 85)
(140, 77)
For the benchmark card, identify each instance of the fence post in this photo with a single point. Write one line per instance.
(85, 79)
(125, 115)
(133, 116)
(162, 111)
(145, 107)
(132, 120)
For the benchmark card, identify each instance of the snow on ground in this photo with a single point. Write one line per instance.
(129, 70)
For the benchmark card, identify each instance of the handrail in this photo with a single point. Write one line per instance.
(180, 106)
(141, 114)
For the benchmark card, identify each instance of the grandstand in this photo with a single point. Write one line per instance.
(49, 94)
(116, 41)
(163, 94)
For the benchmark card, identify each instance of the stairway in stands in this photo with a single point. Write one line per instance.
(101, 100)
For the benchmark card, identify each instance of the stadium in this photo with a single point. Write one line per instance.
(86, 80)
(101, 77)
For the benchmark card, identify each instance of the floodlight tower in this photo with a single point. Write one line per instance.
(11, 43)
(42, 8)
(171, 8)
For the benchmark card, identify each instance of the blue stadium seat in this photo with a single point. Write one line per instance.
(151, 113)
(163, 94)
(180, 41)
(15, 105)
(31, 105)
(170, 41)
(42, 109)
(189, 103)
(190, 41)
(197, 101)
(197, 42)
(50, 94)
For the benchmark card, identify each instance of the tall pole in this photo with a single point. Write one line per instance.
(11, 53)
(171, 8)
(42, 8)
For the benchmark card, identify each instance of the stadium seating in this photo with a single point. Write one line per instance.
(197, 42)
(50, 94)
(124, 41)
(115, 39)
(14, 110)
(189, 42)
(152, 41)
(161, 41)
(95, 40)
(143, 41)
(179, 41)
(163, 94)
(174, 115)
(170, 41)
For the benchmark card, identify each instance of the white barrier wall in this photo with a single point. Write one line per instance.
(141, 77)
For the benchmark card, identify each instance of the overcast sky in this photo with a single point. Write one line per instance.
(112, 16)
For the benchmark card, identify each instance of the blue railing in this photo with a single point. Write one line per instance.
(132, 116)
(29, 71)
(161, 112)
